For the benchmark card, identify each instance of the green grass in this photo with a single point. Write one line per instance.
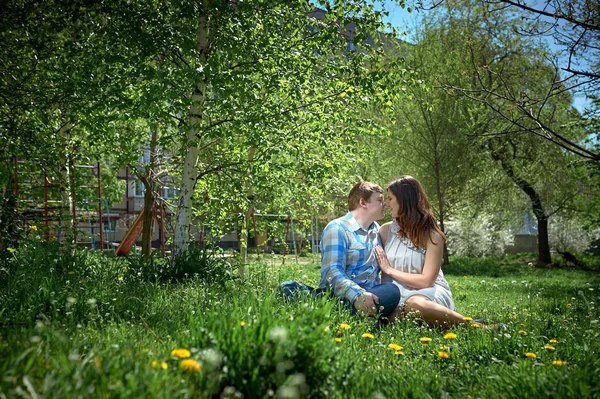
(95, 325)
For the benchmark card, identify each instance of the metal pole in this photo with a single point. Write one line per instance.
(72, 165)
(287, 226)
(46, 233)
(100, 208)
(255, 237)
(294, 240)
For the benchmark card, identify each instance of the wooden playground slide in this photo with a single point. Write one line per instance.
(131, 236)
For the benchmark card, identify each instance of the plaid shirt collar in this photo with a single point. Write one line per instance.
(352, 225)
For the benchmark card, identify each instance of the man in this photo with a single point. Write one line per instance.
(349, 267)
(348, 262)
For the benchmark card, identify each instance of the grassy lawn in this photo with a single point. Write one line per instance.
(92, 325)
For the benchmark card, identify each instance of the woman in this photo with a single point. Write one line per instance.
(412, 259)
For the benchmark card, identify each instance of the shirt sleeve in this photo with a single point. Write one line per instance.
(333, 264)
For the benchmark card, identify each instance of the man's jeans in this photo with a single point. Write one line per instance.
(388, 294)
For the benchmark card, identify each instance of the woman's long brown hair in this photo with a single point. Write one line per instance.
(415, 218)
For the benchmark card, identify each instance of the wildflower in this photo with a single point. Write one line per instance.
(475, 325)
(154, 364)
(344, 326)
(190, 365)
(399, 353)
(444, 348)
(367, 335)
(71, 273)
(450, 335)
(553, 341)
(444, 355)
(523, 333)
(395, 347)
(425, 340)
(467, 318)
(242, 323)
(466, 276)
(181, 353)
(559, 362)
(530, 355)
(338, 340)
(33, 228)
(164, 365)
(550, 348)
(565, 321)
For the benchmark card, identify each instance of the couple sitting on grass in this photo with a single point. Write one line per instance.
(407, 251)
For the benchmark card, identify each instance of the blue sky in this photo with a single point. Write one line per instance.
(406, 22)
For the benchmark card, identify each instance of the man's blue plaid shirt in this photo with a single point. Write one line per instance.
(348, 263)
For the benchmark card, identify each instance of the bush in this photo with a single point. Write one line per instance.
(207, 264)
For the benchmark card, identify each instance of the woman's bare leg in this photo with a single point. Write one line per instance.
(433, 313)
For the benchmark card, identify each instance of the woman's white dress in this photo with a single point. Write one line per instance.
(404, 256)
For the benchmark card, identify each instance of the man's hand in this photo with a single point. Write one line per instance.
(366, 303)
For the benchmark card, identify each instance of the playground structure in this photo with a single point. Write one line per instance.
(39, 201)
(42, 201)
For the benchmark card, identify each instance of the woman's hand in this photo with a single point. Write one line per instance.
(384, 263)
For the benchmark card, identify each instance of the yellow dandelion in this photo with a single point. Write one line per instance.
(553, 341)
(71, 273)
(549, 348)
(425, 340)
(164, 365)
(475, 325)
(450, 335)
(190, 365)
(399, 353)
(444, 355)
(154, 364)
(565, 321)
(344, 326)
(181, 353)
(530, 355)
(367, 335)
(34, 228)
(466, 276)
(242, 323)
(559, 362)
(523, 333)
(395, 347)
(467, 318)
(338, 340)
(569, 305)
(444, 348)
(522, 324)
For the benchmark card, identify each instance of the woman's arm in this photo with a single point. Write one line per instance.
(431, 268)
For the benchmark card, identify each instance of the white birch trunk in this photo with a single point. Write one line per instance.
(181, 238)
(246, 225)
(65, 196)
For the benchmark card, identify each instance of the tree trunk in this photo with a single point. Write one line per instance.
(65, 196)
(247, 220)
(149, 208)
(536, 204)
(181, 238)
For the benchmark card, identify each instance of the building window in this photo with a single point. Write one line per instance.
(138, 189)
(109, 227)
(169, 192)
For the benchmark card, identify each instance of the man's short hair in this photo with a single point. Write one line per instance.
(364, 190)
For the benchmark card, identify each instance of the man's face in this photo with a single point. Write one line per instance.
(376, 206)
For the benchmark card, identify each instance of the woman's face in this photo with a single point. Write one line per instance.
(392, 203)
